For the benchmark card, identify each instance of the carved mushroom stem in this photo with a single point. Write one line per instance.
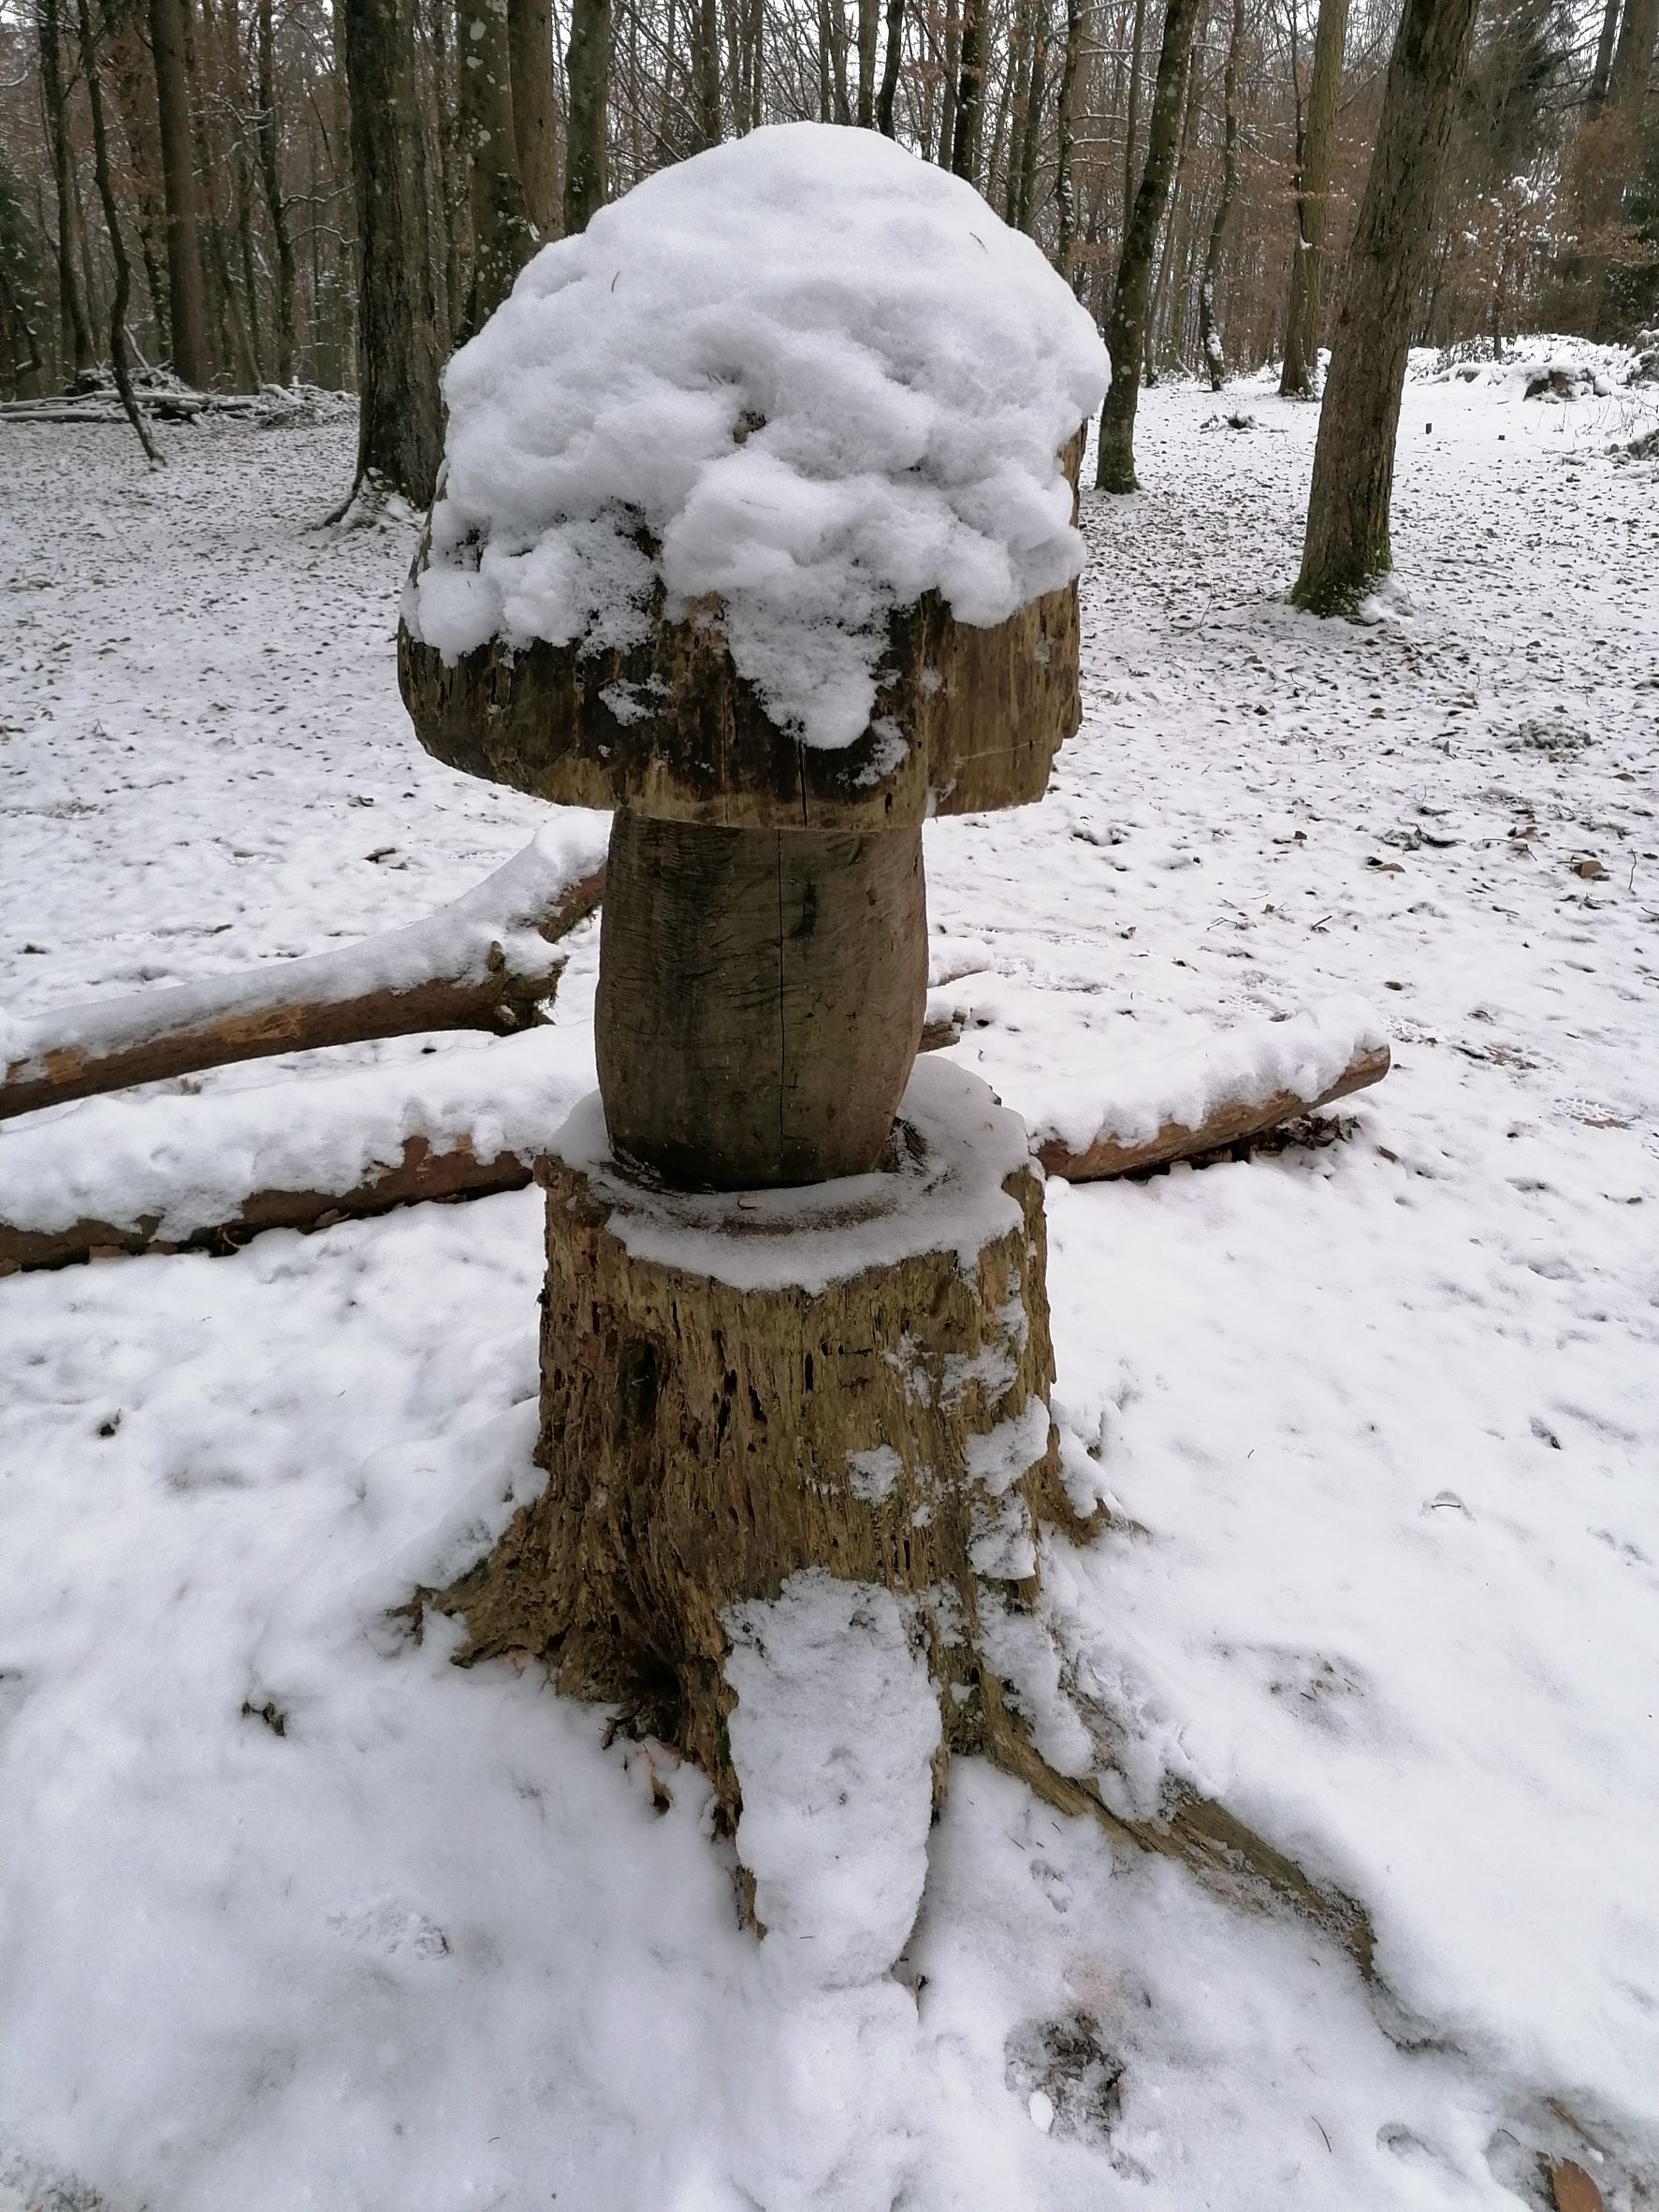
(761, 998)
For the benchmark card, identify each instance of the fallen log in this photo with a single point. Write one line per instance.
(173, 1174)
(485, 962)
(204, 1173)
(1240, 1083)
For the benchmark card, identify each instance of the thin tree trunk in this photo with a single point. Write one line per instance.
(133, 84)
(269, 138)
(400, 423)
(1065, 146)
(1604, 60)
(1209, 335)
(1621, 125)
(890, 66)
(74, 337)
(587, 74)
(535, 134)
(1126, 325)
(1131, 125)
(1017, 93)
(1313, 199)
(1346, 546)
(953, 57)
(705, 72)
(970, 91)
(1031, 136)
(446, 107)
(89, 67)
(1166, 257)
(869, 20)
(186, 315)
(502, 240)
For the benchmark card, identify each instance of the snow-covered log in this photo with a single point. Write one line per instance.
(1240, 1083)
(484, 962)
(172, 1174)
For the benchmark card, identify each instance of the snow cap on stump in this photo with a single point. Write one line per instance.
(755, 508)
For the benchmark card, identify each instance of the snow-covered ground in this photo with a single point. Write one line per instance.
(292, 1911)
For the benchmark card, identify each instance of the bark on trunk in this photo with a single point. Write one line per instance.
(186, 312)
(400, 423)
(1622, 152)
(1126, 323)
(587, 75)
(1346, 544)
(535, 133)
(1209, 335)
(133, 85)
(970, 91)
(869, 21)
(118, 362)
(890, 65)
(1065, 146)
(1604, 60)
(1313, 198)
(275, 204)
(705, 72)
(74, 334)
(502, 238)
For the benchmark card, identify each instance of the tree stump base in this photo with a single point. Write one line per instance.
(852, 1376)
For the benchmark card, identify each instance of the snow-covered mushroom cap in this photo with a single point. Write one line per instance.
(805, 374)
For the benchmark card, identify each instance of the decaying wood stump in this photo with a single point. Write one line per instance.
(852, 1376)
(760, 996)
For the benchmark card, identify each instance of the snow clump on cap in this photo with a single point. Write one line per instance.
(805, 373)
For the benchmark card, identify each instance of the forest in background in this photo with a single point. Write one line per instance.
(232, 146)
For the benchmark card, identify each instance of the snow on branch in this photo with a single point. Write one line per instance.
(485, 962)
(166, 1174)
(204, 1174)
(1240, 1083)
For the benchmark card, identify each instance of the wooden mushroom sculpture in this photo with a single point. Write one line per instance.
(758, 525)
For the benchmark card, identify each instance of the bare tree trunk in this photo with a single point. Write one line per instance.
(529, 43)
(971, 93)
(1313, 198)
(502, 240)
(276, 207)
(869, 19)
(952, 62)
(1621, 125)
(133, 84)
(399, 423)
(1065, 146)
(1131, 125)
(74, 337)
(587, 71)
(705, 71)
(186, 315)
(1209, 336)
(89, 67)
(1346, 547)
(1126, 325)
(890, 66)
(445, 112)
(1604, 60)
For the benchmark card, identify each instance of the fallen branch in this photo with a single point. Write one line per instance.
(1236, 1085)
(484, 962)
(171, 1175)
(204, 1174)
